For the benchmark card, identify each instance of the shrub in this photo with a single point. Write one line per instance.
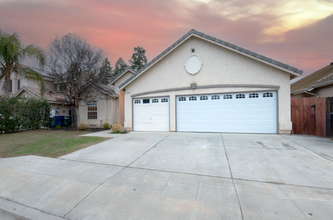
(57, 126)
(106, 126)
(17, 114)
(82, 127)
(117, 128)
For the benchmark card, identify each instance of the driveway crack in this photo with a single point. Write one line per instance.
(232, 178)
(149, 150)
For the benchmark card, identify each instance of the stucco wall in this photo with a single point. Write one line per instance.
(122, 79)
(105, 112)
(325, 91)
(63, 109)
(220, 66)
(23, 82)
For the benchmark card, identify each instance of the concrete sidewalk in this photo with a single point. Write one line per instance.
(162, 175)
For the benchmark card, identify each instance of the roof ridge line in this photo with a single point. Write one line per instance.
(217, 41)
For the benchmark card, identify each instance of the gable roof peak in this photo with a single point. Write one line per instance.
(292, 70)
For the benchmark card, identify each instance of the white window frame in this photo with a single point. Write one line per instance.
(204, 97)
(240, 96)
(227, 96)
(182, 99)
(215, 97)
(267, 95)
(253, 95)
(192, 98)
(92, 103)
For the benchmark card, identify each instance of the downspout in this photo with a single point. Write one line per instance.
(310, 93)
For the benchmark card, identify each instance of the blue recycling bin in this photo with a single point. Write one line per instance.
(59, 120)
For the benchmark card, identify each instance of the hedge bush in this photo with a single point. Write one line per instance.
(106, 126)
(19, 114)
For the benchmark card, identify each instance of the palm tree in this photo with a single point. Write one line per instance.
(12, 53)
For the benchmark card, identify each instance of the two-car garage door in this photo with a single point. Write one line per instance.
(254, 112)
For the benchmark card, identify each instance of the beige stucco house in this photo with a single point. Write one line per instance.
(102, 106)
(203, 84)
(317, 84)
(27, 87)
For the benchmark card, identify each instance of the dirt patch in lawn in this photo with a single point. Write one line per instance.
(48, 143)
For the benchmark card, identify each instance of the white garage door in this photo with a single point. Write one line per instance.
(151, 114)
(254, 112)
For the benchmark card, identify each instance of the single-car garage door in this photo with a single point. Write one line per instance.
(254, 112)
(151, 114)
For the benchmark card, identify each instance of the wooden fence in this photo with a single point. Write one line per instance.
(312, 116)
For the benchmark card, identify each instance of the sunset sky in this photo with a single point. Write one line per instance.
(297, 32)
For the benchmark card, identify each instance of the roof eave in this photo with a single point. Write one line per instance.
(25, 89)
(155, 62)
(218, 44)
(252, 57)
(296, 92)
(105, 92)
(127, 70)
(322, 84)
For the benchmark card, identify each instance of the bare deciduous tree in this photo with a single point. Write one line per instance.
(75, 67)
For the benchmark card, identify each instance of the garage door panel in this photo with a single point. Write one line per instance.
(257, 114)
(151, 116)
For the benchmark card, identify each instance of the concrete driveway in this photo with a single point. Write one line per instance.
(162, 175)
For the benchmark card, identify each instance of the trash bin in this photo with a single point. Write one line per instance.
(67, 120)
(59, 120)
(52, 122)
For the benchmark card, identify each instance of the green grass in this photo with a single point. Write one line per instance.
(44, 143)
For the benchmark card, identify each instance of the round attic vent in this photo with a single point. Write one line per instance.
(193, 64)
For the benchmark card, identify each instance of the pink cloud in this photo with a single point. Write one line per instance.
(120, 25)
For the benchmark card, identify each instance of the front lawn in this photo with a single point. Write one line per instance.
(44, 143)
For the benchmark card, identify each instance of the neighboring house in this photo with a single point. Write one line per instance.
(102, 108)
(17, 81)
(27, 87)
(57, 103)
(203, 84)
(317, 84)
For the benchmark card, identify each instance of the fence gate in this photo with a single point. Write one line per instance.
(312, 116)
(329, 117)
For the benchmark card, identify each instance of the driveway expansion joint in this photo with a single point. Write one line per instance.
(155, 145)
(307, 149)
(232, 178)
(124, 167)
(13, 201)
(92, 191)
(292, 201)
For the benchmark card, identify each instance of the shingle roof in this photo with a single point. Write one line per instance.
(106, 89)
(121, 73)
(42, 72)
(320, 76)
(217, 41)
(50, 97)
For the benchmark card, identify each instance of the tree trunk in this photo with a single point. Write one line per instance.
(77, 116)
(6, 86)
